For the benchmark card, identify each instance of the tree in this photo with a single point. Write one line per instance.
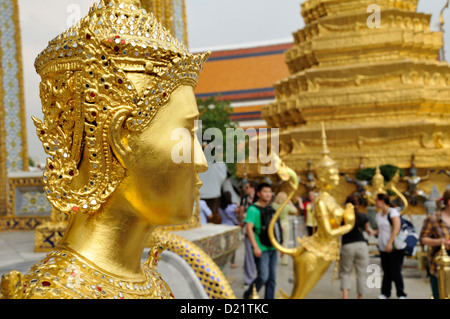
(215, 114)
(388, 171)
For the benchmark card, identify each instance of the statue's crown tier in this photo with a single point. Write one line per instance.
(128, 30)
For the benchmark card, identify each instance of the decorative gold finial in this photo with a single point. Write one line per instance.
(443, 261)
(326, 160)
(254, 294)
(442, 14)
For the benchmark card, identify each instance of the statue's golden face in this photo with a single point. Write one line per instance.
(329, 176)
(156, 186)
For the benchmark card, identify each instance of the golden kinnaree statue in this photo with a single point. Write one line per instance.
(314, 254)
(380, 187)
(114, 88)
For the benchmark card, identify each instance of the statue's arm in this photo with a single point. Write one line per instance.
(325, 219)
(348, 179)
(426, 177)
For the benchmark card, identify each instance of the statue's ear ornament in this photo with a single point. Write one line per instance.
(84, 83)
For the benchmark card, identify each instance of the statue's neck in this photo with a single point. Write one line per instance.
(112, 239)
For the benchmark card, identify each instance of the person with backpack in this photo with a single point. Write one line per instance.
(435, 232)
(265, 254)
(389, 226)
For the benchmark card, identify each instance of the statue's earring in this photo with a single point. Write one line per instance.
(115, 136)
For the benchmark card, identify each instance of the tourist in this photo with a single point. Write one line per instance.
(311, 222)
(355, 252)
(249, 259)
(391, 259)
(436, 231)
(265, 256)
(247, 199)
(205, 212)
(284, 219)
(228, 212)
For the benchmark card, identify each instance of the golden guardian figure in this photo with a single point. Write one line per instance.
(314, 254)
(114, 88)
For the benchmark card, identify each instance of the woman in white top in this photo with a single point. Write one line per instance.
(389, 223)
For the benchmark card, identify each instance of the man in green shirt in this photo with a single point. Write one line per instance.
(265, 256)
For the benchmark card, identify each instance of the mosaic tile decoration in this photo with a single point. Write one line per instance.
(32, 202)
(12, 87)
(26, 198)
(179, 15)
(21, 223)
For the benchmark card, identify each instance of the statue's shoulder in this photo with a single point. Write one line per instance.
(41, 282)
(66, 275)
(51, 278)
(11, 285)
(326, 198)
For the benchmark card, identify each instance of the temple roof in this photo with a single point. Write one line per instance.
(244, 74)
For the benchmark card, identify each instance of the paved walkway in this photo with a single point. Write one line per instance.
(416, 285)
(415, 281)
(16, 253)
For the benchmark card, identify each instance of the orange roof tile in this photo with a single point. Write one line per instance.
(243, 73)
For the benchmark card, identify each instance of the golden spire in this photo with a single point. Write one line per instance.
(326, 160)
(442, 14)
(325, 150)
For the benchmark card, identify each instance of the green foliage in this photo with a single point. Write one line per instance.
(388, 171)
(216, 113)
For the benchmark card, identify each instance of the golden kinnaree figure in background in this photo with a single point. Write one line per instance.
(379, 187)
(314, 254)
(114, 89)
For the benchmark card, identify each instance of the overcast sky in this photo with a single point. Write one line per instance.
(211, 24)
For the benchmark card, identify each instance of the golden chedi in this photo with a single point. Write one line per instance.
(314, 254)
(374, 79)
(114, 88)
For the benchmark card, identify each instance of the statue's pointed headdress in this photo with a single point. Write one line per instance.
(326, 160)
(84, 84)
